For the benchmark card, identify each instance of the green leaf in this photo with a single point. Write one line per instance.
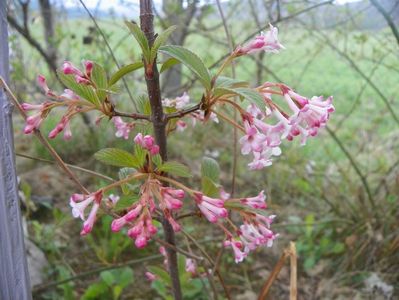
(117, 157)
(140, 155)
(175, 168)
(125, 277)
(127, 201)
(85, 91)
(249, 94)
(124, 71)
(210, 168)
(170, 62)
(157, 160)
(228, 82)
(94, 291)
(160, 40)
(208, 187)
(107, 277)
(99, 77)
(140, 38)
(191, 60)
(123, 173)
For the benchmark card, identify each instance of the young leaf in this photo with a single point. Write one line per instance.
(99, 77)
(228, 82)
(175, 168)
(157, 160)
(139, 154)
(117, 157)
(161, 273)
(85, 91)
(210, 168)
(209, 188)
(140, 38)
(125, 70)
(249, 94)
(191, 60)
(170, 62)
(160, 40)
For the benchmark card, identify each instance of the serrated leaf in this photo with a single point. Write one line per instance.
(125, 277)
(228, 82)
(117, 157)
(85, 91)
(170, 62)
(190, 60)
(140, 38)
(175, 168)
(124, 71)
(249, 94)
(157, 160)
(210, 168)
(209, 188)
(160, 40)
(140, 155)
(99, 77)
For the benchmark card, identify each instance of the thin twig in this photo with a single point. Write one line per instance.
(68, 165)
(293, 274)
(111, 52)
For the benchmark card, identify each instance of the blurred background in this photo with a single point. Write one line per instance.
(337, 197)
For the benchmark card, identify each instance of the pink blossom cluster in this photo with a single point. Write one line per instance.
(147, 142)
(81, 77)
(122, 128)
(267, 42)
(80, 202)
(40, 111)
(139, 216)
(304, 120)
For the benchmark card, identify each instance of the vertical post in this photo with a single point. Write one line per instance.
(14, 276)
(159, 125)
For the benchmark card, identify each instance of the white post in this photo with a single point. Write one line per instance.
(14, 276)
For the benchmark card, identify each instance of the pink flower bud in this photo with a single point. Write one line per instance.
(150, 276)
(69, 68)
(89, 67)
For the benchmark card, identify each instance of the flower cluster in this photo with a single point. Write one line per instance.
(79, 202)
(267, 42)
(147, 142)
(72, 101)
(122, 128)
(304, 120)
(139, 216)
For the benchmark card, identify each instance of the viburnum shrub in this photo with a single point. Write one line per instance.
(268, 115)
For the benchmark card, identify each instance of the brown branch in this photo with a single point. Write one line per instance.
(159, 126)
(183, 112)
(387, 17)
(43, 140)
(135, 116)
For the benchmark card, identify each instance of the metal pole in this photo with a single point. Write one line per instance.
(14, 276)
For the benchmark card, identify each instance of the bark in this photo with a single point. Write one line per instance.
(159, 124)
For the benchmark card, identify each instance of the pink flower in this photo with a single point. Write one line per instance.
(147, 142)
(69, 94)
(257, 233)
(150, 276)
(239, 255)
(252, 140)
(122, 128)
(82, 80)
(263, 159)
(257, 202)
(62, 125)
(212, 209)
(267, 42)
(33, 122)
(41, 81)
(79, 203)
(181, 125)
(171, 198)
(69, 68)
(191, 266)
(114, 198)
(182, 101)
(88, 67)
